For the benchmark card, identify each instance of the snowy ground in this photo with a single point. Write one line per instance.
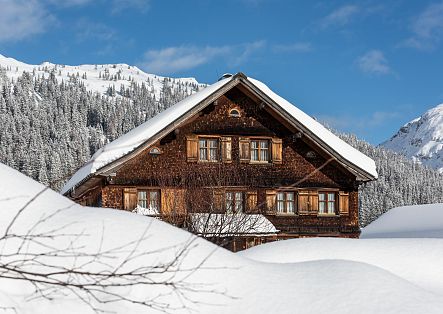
(332, 281)
(419, 221)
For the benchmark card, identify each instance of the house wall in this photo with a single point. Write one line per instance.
(171, 168)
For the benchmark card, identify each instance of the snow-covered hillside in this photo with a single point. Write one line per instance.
(98, 78)
(224, 283)
(421, 139)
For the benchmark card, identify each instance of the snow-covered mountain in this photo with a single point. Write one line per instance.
(97, 78)
(421, 139)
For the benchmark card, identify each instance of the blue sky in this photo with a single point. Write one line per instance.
(365, 67)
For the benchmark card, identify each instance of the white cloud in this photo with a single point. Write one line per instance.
(87, 29)
(427, 28)
(175, 59)
(299, 47)
(242, 53)
(374, 62)
(120, 5)
(340, 16)
(68, 3)
(20, 19)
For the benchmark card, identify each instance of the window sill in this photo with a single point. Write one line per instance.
(286, 214)
(259, 162)
(327, 215)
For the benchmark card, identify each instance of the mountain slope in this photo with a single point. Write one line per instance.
(54, 117)
(421, 139)
(96, 78)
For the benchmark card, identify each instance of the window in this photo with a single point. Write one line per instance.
(209, 149)
(234, 202)
(234, 113)
(154, 151)
(285, 202)
(326, 203)
(148, 199)
(260, 150)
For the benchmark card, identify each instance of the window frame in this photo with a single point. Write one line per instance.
(259, 149)
(326, 203)
(207, 148)
(286, 201)
(148, 199)
(234, 201)
(234, 115)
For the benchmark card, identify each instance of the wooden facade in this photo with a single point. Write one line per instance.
(235, 154)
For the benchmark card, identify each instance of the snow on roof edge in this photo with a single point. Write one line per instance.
(137, 136)
(345, 150)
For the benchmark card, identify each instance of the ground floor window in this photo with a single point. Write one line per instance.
(326, 203)
(148, 199)
(234, 202)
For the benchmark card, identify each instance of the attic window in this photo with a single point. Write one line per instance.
(234, 113)
(155, 151)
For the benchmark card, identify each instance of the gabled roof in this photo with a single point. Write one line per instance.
(131, 143)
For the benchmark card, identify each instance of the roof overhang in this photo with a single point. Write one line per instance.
(361, 175)
(270, 104)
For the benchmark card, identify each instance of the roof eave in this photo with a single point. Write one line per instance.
(168, 128)
(361, 174)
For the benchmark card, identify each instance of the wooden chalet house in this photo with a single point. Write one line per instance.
(232, 161)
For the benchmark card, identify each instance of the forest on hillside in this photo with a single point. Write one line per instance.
(48, 129)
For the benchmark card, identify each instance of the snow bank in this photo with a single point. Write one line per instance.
(417, 260)
(242, 285)
(416, 221)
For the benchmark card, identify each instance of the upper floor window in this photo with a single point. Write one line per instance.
(326, 203)
(285, 203)
(209, 149)
(234, 202)
(148, 199)
(260, 150)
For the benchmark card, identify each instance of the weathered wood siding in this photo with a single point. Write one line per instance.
(300, 166)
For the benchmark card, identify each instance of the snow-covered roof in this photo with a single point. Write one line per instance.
(210, 224)
(136, 137)
(143, 133)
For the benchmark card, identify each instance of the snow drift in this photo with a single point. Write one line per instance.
(415, 221)
(223, 282)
